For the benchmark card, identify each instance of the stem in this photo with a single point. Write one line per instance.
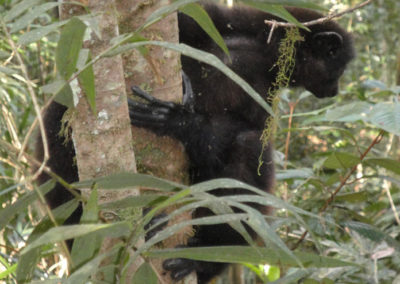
(377, 139)
(320, 20)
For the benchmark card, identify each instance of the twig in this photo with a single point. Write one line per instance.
(34, 101)
(320, 20)
(377, 139)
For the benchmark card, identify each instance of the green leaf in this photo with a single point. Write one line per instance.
(145, 274)
(255, 255)
(274, 273)
(22, 203)
(372, 233)
(294, 276)
(38, 33)
(341, 161)
(197, 12)
(164, 11)
(85, 248)
(203, 57)
(63, 233)
(20, 8)
(8, 271)
(92, 266)
(294, 174)
(129, 180)
(69, 46)
(389, 164)
(354, 197)
(350, 112)
(7, 70)
(386, 116)
(26, 19)
(374, 84)
(86, 79)
(131, 201)
(62, 90)
(27, 262)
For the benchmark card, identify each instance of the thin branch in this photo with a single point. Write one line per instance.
(320, 20)
(34, 101)
(377, 139)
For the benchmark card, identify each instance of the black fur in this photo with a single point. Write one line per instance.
(220, 125)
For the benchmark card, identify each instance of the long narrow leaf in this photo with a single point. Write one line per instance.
(25, 20)
(126, 180)
(239, 254)
(197, 12)
(164, 11)
(27, 261)
(69, 232)
(203, 57)
(19, 9)
(69, 46)
(22, 203)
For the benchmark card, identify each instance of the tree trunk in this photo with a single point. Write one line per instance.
(102, 142)
(160, 73)
(104, 138)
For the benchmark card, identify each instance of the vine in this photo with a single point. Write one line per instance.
(285, 64)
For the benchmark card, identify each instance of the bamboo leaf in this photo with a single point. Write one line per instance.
(69, 46)
(128, 180)
(22, 203)
(240, 254)
(26, 19)
(27, 262)
(86, 78)
(63, 233)
(197, 12)
(145, 274)
(203, 57)
(19, 9)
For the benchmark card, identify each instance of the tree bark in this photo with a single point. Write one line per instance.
(102, 142)
(160, 74)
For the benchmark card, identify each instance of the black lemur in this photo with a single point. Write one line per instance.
(219, 124)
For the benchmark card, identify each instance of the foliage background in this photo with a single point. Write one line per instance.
(326, 140)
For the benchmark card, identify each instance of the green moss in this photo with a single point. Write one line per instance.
(285, 65)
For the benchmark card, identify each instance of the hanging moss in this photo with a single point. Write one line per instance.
(285, 65)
